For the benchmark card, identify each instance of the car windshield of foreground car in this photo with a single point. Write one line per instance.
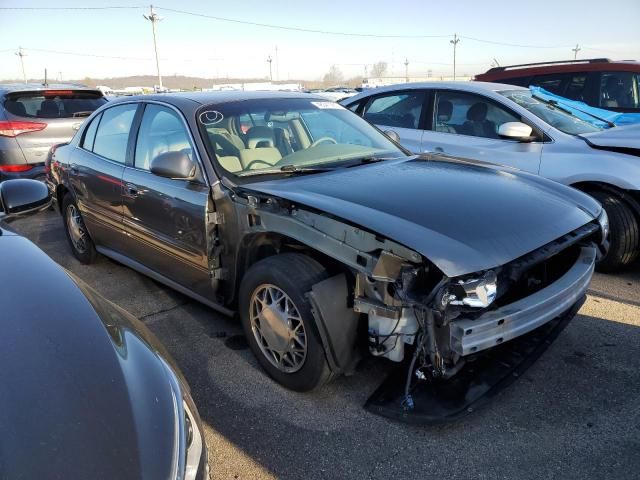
(54, 103)
(256, 137)
(550, 113)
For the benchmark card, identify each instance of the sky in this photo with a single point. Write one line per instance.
(190, 45)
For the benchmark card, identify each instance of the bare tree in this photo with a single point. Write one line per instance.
(333, 76)
(379, 69)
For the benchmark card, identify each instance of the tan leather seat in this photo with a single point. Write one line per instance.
(267, 155)
(260, 136)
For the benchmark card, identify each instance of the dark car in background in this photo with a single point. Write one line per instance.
(87, 390)
(325, 235)
(33, 117)
(599, 82)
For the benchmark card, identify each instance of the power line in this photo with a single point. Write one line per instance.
(74, 8)
(296, 29)
(493, 42)
(84, 54)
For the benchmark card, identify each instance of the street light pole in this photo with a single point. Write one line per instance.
(406, 69)
(269, 60)
(575, 51)
(454, 42)
(153, 18)
(21, 54)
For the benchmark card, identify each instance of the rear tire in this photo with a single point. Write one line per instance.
(80, 242)
(624, 242)
(281, 330)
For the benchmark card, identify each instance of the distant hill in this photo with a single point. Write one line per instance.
(172, 81)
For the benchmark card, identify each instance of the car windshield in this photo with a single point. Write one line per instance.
(551, 113)
(255, 137)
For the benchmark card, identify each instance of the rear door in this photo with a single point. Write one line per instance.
(60, 113)
(466, 125)
(401, 112)
(166, 219)
(95, 173)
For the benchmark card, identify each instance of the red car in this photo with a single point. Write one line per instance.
(599, 82)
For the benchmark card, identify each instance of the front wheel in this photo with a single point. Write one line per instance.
(624, 246)
(81, 244)
(278, 323)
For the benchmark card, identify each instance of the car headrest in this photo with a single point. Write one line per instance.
(477, 112)
(260, 134)
(445, 109)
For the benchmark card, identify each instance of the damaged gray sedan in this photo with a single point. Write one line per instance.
(327, 238)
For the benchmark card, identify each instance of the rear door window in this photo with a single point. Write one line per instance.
(401, 110)
(90, 133)
(575, 86)
(112, 135)
(53, 103)
(554, 83)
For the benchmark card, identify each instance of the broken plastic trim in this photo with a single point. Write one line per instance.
(440, 401)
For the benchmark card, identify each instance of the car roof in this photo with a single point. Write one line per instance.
(180, 99)
(557, 67)
(474, 87)
(36, 87)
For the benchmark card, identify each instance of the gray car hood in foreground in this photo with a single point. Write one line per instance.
(463, 216)
(627, 136)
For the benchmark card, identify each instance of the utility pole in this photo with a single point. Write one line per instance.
(153, 18)
(269, 60)
(21, 54)
(575, 51)
(454, 42)
(406, 69)
(277, 65)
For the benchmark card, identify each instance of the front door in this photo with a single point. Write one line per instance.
(400, 112)
(466, 125)
(165, 219)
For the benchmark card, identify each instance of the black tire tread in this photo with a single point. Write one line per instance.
(624, 247)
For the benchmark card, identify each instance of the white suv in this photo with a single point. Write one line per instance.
(509, 125)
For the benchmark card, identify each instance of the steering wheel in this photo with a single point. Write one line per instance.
(248, 167)
(322, 140)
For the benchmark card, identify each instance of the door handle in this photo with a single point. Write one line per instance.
(131, 190)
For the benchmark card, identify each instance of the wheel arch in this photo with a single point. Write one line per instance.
(630, 197)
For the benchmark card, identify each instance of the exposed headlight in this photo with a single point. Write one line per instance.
(475, 292)
(194, 444)
(603, 220)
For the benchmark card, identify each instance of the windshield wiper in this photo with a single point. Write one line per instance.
(288, 169)
(555, 104)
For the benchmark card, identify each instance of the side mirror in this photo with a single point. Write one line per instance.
(392, 135)
(22, 197)
(516, 131)
(173, 165)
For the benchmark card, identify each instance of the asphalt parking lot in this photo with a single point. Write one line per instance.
(574, 414)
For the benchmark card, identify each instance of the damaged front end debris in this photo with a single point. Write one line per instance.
(446, 334)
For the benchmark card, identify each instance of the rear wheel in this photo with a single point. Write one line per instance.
(624, 244)
(81, 244)
(278, 323)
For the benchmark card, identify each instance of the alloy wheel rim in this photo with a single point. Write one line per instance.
(278, 328)
(76, 229)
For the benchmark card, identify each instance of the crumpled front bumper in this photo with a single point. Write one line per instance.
(511, 321)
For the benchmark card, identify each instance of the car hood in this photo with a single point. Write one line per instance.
(85, 394)
(617, 138)
(462, 215)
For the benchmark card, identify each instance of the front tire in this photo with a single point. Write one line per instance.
(624, 243)
(80, 242)
(278, 323)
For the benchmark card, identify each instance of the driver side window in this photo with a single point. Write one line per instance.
(468, 114)
(161, 131)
